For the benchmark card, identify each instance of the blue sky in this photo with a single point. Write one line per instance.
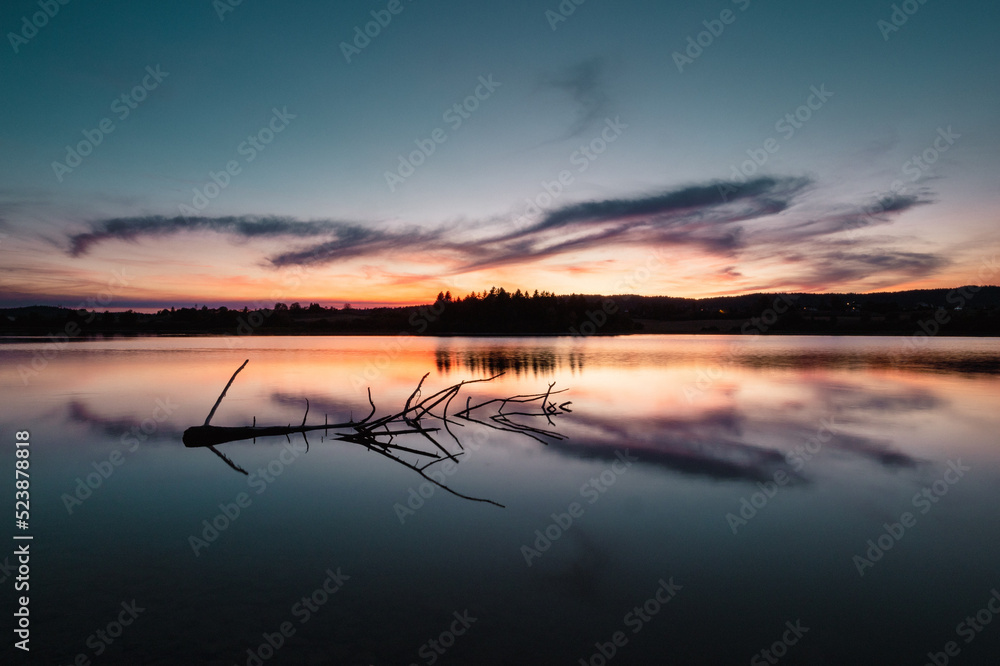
(315, 200)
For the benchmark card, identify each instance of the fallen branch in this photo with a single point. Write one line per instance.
(378, 435)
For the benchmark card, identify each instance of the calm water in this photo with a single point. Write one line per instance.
(737, 481)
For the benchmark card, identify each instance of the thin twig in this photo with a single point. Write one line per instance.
(223, 394)
(227, 460)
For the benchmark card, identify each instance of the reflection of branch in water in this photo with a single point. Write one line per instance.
(379, 435)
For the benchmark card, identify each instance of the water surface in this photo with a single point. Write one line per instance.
(820, 442)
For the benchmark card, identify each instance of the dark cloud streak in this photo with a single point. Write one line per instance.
(770, 195)
(134, 228)
(721, 218)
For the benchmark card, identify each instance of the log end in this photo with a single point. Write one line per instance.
(197, 436)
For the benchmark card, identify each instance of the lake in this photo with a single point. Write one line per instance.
(708, 500)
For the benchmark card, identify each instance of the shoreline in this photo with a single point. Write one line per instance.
(15, 339)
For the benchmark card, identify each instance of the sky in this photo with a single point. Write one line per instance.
(237, 153)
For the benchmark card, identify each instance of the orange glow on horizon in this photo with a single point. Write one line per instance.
(175, 272)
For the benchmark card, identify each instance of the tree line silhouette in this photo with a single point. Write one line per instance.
(961, 311)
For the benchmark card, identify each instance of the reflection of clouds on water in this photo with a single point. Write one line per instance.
(740, 435)
(711, 444)
(337, 411)
(697, 460)
(877, 451)
(115, 426)
(731, 443)
(844, 397)
(723, 443)
(119, 426)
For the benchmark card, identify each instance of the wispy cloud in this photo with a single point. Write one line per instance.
(879, 267)
(832, 220)
(356, 241)
(586, 87)
(763, 217)
(694, 215)
(135, 228)
(768, 196)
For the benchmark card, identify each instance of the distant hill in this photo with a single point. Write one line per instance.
(964, 310)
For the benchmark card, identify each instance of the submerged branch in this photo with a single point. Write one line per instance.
(379, 435)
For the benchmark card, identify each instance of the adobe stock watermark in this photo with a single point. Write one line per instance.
(581, 159)
(787, 126)
(6, 570)
(122, 106)
(419, 320)
(803, 453)
(713, 30)
(595, 319)
(592, 491)
(920, 163)
(374, 367)
(391, 350)
(37, 21)
(60, 341)
(562, 12)
(381, 18)
(223, 7)
(434, 648)
(753, 327)
(252, 146)
(130, 440)
(640, 275)
(416, 498)
(455, 116)
(230, 512)
(302, 610)
(925, 501)
(914, 169)
(968, 629)
(749, 508)
(958, 298)
(103, 638)
(255, 318)
(636, 619)
(779, 648)
(901, 13)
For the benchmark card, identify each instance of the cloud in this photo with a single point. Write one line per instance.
(134, 228)
(681, 216)
(768, 196)
(357, 241)
(765, 218)
(877, 268)
(701, 215)
(341, 240)
(585, 85)
(877, 212)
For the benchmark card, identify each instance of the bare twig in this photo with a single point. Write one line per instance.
(227, 460)
(223, 394)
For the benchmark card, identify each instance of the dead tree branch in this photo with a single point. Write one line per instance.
(379, 435)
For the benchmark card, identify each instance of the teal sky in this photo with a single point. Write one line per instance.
(316, 197)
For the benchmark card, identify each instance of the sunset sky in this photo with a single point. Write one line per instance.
(188, 153)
